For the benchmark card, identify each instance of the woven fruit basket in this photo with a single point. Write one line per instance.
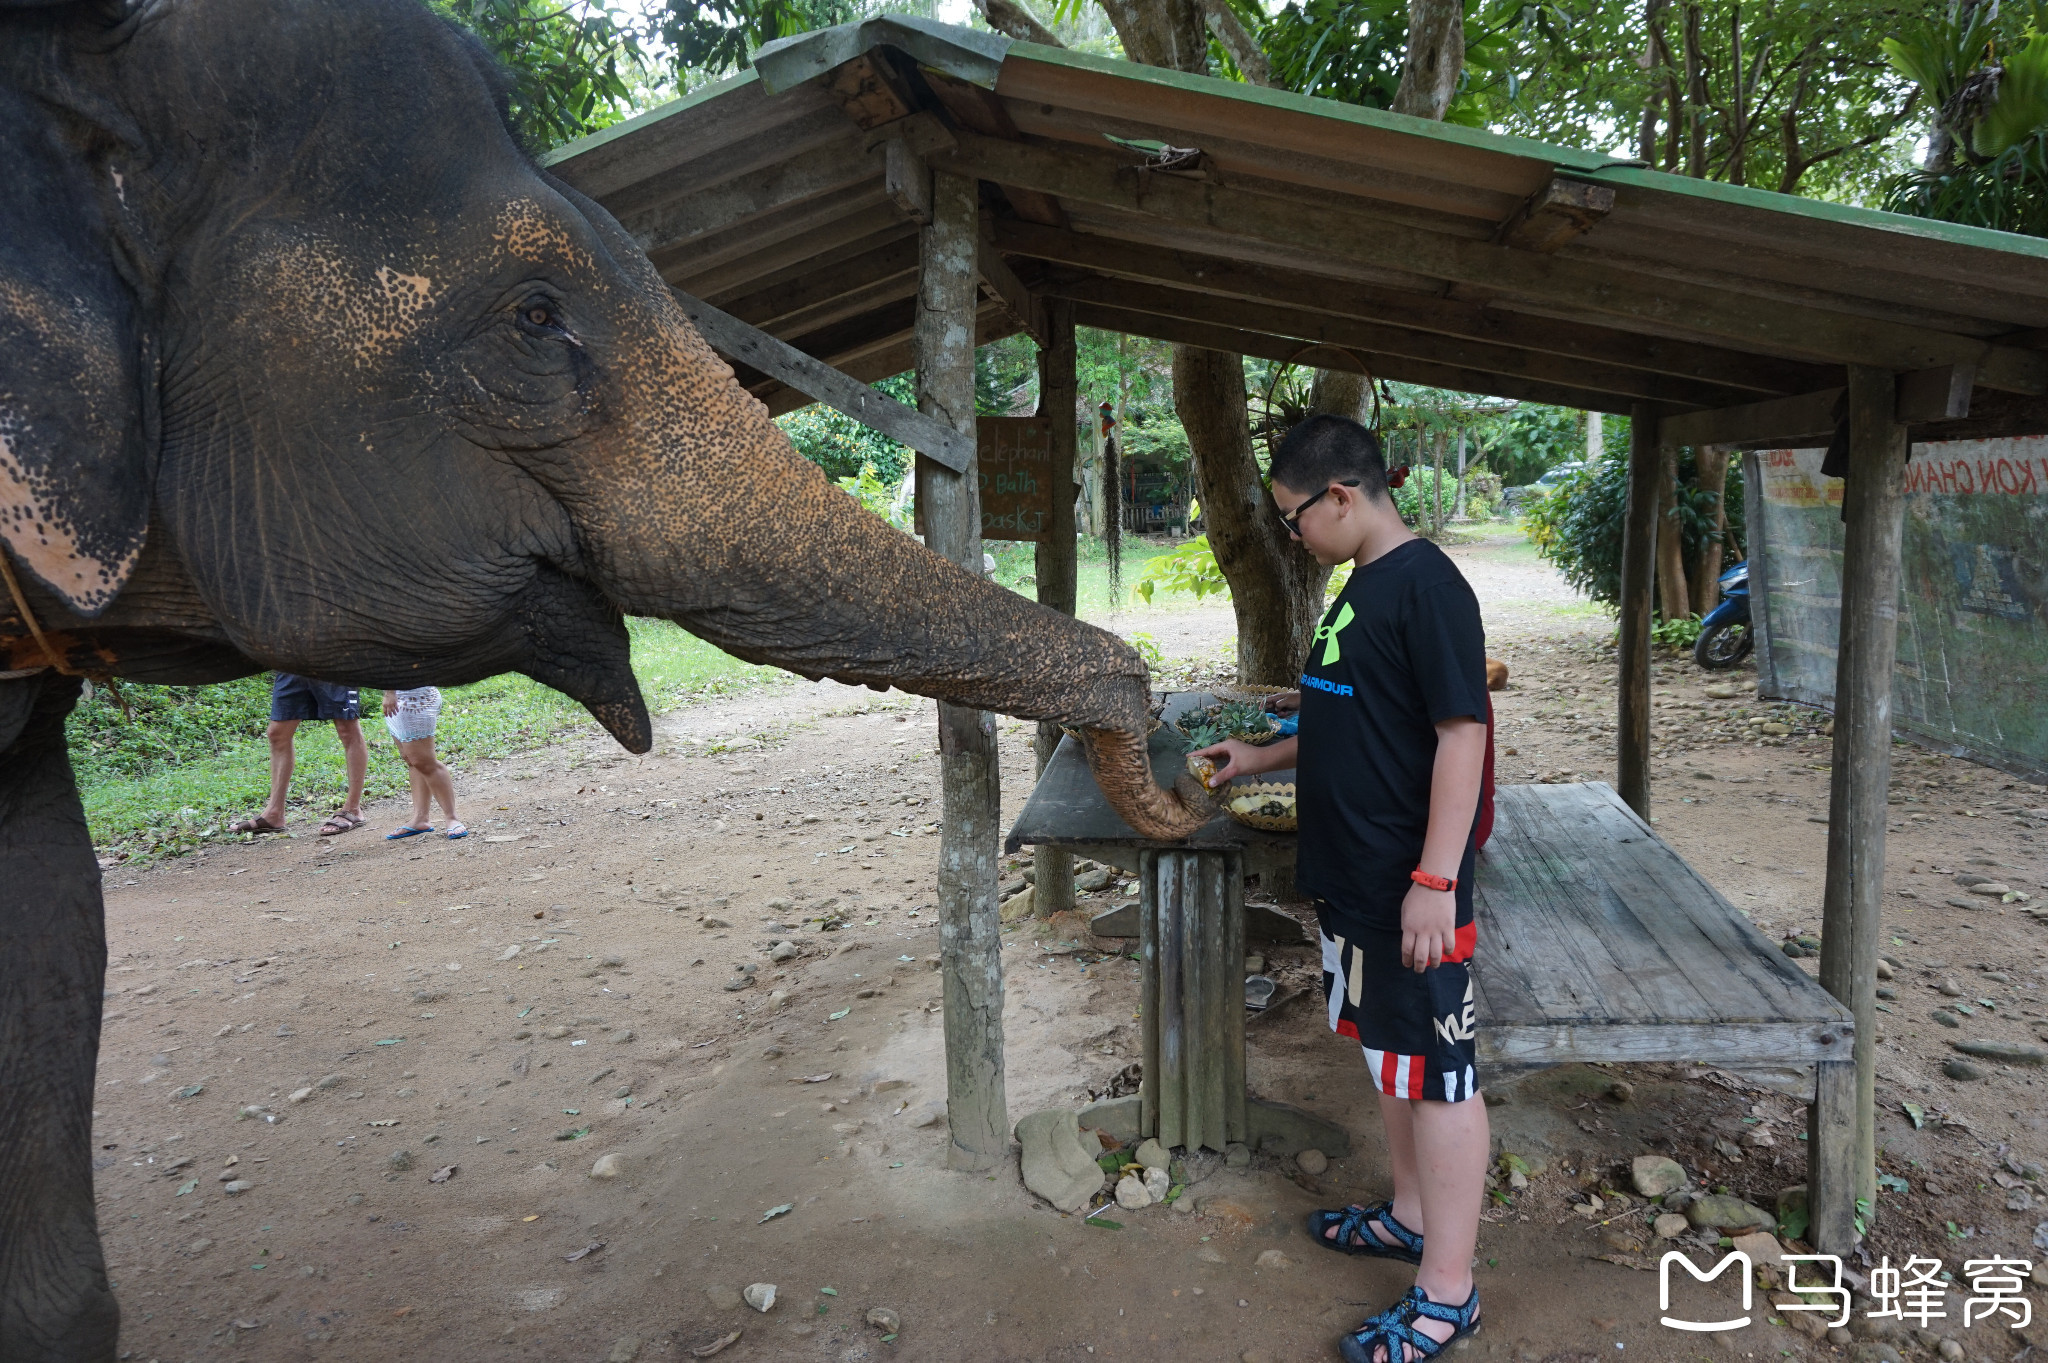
(1261, 804)
(1230, 719)
(1253, 694)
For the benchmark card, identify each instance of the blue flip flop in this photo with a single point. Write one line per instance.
(406, 830)
(457, 830)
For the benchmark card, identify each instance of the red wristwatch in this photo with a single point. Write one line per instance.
(1430, 882)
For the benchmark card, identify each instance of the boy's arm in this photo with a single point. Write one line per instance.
(1235, 758)
(1429, 917)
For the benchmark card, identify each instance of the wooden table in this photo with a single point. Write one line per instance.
(1597, 942)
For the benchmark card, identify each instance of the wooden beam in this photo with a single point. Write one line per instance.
(780, 185)
(1773, 326)
(1406, 307)
(1926, 396)
(881, 359)
(1005, 289)
(1056, 565)
(1555, 214)
(813, 299)
(734, 339)
(723, 260)
(1638, 571)
(1185, 332)
(1619, 383)
(1852, 913)
(970, 831)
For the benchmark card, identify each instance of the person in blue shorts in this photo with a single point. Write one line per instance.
(293, 701)
(1390, 758)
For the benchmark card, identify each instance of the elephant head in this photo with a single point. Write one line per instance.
(305, 364)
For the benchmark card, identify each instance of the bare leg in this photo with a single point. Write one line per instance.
(1395, 1116)
(280, 734)
(430, 778)
(356, 754)
(422, 810)
(1447, 1151)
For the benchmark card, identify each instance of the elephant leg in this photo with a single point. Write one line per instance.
(55, 1305)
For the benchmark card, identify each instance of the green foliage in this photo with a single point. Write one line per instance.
(1579, 525)
(1524, 444)
(1156, 435)
(1993, 112)
(1189, 567)
(877, 496)
(718, 36)
(1006, 376)
(842, 446)
(575, 66)
(1233, 719)
(1676, 635)
(1415, 499)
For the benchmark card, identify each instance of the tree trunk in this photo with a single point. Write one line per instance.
(1671, 595)
(1596, 438)
(1458, 513)
(1713, 478)
(1275, 586)
(1653, 101)
(1169, 33)
(1054, 867)
(1695, 97)
(1435, 58)
(1339, 392)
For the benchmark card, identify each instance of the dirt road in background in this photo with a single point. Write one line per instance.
(556, 1092)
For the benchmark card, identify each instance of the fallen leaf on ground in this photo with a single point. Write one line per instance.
(715, 1345)
(816, 1078)
(593, 1247)
(774, 1212)
(834, 1017)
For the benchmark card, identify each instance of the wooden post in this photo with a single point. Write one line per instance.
(1852, 914)
(970, 930)
(1191, 998)
(1638, 563)
(1053, 867)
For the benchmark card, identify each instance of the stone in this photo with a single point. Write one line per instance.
(1949, 989)
(1718, 1211)
(1158, 1183)
(1962, 1071)
(1118, 1117)
(1152, 1154)
(723, 1298)
(931, 1114)
(399, 1162)
(1950, 1351)
(1621, 1242)
(625, 1350)
(331, 1081)
(1056, 1163)
(608, 1166)
(710, 922)
(1272, 1258)
(556, 1033)
(1209, 1254)
(1183, 1204)
(737, 983)
(1670, 1225)
(1020, 906)
(760, 1296)
(1946, 1018)
(1313, 1162)
(239, 1185)
(1763, 1249)
(1874, 1351)
(1656, 1175)
(784, 951)
(1225, 1209)
(1237, 1155)
(1131, 1194)
(884, 1319)
(1812, 1324)
(1885, 970)
(300, 1095)
(1097, 879)
(1990, 889)
(1621, 1091)
(2005, 1052)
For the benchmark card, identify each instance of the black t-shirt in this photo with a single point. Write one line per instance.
(1400, 650)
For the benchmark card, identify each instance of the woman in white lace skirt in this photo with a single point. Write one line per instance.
(410, 715)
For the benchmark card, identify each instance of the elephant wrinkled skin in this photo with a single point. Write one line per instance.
(305, 364)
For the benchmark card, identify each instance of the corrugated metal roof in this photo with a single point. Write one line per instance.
(1303, 228)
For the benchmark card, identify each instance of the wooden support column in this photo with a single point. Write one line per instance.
(970, 936)
(1053, 867)
(1852, 917)
(1638, 568)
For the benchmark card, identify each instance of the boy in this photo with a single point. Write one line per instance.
(1388, 764)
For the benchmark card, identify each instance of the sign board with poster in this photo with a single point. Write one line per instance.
(1972, 671)
(1014, 457)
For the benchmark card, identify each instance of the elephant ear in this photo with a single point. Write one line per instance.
(74, 463)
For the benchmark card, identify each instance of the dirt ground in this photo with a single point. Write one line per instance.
(303, 1035)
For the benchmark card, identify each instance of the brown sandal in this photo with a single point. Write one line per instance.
(255, 824)
(341, 821)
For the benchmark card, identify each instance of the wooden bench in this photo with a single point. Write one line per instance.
(1597, 942)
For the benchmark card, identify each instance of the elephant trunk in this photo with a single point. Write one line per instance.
(723, 528)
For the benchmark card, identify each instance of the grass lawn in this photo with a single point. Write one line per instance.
(195, 759)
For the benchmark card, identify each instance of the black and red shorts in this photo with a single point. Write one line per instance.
(1417, 1030)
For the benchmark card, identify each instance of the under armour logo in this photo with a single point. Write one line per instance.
(1328, 633)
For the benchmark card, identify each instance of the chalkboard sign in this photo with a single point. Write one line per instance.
(1014, 456)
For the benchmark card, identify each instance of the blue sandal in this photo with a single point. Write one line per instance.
(1394, 1327)
(406, 830)
(1355, 1223)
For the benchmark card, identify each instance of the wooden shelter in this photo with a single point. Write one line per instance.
(875, 197)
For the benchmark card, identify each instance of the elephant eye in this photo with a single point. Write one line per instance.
(540, 315)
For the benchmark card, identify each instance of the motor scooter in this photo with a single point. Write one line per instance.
(1725, 635)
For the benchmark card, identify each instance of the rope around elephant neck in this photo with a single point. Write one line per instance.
(35, 628)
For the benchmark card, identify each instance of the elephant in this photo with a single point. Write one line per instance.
(306, 364)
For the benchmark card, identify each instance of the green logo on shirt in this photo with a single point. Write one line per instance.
(1328, 632)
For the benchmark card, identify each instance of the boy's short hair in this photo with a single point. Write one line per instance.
(1330, 449)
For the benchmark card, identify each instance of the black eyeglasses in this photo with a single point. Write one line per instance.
(1290, 521)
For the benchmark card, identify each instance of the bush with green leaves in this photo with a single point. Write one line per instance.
(867, 488)
(1189, 567)
(1579, 524)
(842, 446)
(1415, 499)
